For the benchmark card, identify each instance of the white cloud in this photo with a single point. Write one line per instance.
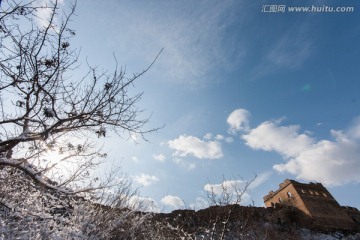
(143, 204)
(135, 159)
(199, 203)
(260, 179)
(332, 162)
(230, 185)
(286, 140)
(208, 136)
(193, 146)
(229, 191)
(219, 137)
(145, 179)
(290, 51)
(238, 120)
(159, 157)
(173, 201)
(197, 31)
(191, 166)
(43, 14)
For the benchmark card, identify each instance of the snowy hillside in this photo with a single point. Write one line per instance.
(30, 212)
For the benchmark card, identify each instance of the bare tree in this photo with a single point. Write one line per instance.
(45, 107)
(50, 120)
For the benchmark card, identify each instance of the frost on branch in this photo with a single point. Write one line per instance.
(28, 211)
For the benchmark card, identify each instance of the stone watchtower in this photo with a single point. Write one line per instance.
(314, 200)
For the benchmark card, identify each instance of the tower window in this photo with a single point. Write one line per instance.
(289, 194)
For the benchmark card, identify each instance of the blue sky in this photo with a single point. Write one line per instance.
(240, 92)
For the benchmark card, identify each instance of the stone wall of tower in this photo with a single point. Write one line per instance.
(287, 194)
(314, 200)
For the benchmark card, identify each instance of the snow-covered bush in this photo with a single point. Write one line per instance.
(29, 211)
